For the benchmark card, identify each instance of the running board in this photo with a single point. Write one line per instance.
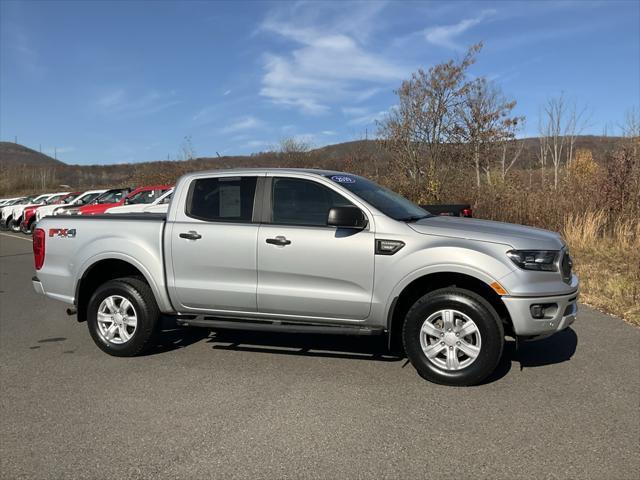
(278, 326)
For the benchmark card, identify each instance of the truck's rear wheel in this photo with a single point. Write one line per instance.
(453, 336)
(122, 315)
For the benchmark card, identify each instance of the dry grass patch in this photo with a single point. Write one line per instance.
(607, 260)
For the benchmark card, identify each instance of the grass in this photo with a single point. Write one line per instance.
(607, 260)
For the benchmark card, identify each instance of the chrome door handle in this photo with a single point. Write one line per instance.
(191, 235)
(279, 240)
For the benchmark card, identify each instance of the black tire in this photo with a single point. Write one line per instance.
(483, 315)
(28, 230)
(5, 224)
(14, 225)
(139, 293)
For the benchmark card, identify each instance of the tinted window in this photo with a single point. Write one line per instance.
(112, 196)
(303, 202)
(145, 196)
(223, 199)
(166, 199)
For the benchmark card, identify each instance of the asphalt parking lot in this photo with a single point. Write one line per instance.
(240, 405)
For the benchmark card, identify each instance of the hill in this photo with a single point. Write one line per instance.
(14, 154)
(24, 170)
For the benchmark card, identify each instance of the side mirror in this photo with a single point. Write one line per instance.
(347, 217)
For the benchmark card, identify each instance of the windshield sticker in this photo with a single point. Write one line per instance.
(343, 179)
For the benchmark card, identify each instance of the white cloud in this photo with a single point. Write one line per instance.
(362, 116)
(328, 60)
(245, 123)
(119, 101)
(445, 35)
(256, 143)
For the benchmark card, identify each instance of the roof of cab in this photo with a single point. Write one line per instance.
(246, 171)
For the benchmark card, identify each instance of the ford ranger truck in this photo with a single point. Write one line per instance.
(310, 251)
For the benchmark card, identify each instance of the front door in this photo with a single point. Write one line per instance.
(306, 268)
(213, 246)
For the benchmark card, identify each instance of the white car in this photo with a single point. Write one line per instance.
(6, 212)
(80, 200)
(13, 222)
(160, 205)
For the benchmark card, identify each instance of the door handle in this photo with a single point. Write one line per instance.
(279, 240)
(191, 235)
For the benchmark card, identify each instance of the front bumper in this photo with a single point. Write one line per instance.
(559, 316)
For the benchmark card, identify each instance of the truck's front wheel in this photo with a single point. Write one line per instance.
(453, 336)
(122, 315)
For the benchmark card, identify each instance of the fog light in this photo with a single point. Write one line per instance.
(537, 311)
(543, 310)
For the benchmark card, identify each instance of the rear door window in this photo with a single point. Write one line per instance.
(222, 199)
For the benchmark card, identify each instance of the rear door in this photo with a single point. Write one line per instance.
(306, 268)
(213, 246)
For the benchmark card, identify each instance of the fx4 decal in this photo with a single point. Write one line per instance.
(62, 232)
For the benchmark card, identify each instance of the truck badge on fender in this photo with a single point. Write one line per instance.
(62, 232)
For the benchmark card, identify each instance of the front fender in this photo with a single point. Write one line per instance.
(480, 261)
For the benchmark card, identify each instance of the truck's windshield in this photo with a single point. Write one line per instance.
(145, 196)
(86, 198)
(388, 202)
(112, 196)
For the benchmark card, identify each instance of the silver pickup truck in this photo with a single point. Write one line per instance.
(310, 251)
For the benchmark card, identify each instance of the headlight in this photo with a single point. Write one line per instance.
(542, 260)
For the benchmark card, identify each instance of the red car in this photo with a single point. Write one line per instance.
(139, 195)
(29, 215)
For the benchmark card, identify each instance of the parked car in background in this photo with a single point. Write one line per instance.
(29, 217)
(293, 250)
(452, 210)
(18, 210)
(9, 201)
(5, 211)
(82, 199)
(13, 214)
(160, 205)
(141, 195)
(110, 197)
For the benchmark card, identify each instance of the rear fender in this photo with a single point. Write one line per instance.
(158, 289)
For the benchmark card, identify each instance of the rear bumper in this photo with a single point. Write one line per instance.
(560, 313)
(37, 286)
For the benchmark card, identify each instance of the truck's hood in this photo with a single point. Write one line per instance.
(97, 209)
(46, 210)
(517, 236)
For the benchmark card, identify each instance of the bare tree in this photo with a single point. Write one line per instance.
(515, 148)
(577, 122)
(294, 145)
(485, 122)
(554, 126)
(543, 147)
(416, 131)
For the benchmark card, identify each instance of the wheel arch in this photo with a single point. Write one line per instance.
(103, 270)
(410, 292)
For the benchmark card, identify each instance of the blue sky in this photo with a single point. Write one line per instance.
(112, 82)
